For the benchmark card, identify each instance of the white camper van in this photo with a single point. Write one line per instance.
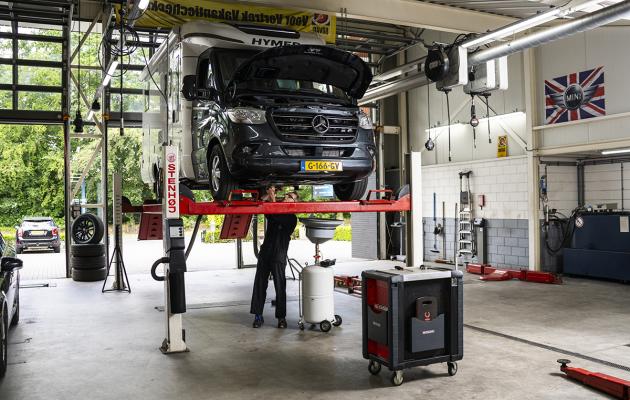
(246, 117)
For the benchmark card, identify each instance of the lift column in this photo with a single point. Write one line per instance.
(174, 255)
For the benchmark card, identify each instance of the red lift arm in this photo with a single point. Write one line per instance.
(237, 210)
(615, 387)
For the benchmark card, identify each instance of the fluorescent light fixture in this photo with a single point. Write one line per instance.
(110, 73)
(143, 4)
(618, 151)
(481, 120)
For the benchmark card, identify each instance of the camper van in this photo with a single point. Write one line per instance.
(253, 106)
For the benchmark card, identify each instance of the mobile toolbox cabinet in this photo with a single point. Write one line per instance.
(412, 318)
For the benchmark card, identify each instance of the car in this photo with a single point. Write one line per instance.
(37, 233)
(246, 114)
(9, 297)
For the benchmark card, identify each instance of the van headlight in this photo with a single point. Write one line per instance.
(364, 121)
(248, 116)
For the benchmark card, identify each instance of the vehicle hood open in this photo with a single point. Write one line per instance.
(320, 64)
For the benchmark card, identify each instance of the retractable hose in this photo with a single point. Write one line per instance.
(154, 275)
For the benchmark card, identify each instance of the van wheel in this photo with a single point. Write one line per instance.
(221, 182)
(158, 183)
(351, 191)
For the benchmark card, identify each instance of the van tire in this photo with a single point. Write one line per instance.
(221, 181)
(351, 191)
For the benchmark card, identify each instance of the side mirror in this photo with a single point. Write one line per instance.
(189, 87)
(10, 263)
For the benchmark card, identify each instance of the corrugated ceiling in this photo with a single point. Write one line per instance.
(509, 8)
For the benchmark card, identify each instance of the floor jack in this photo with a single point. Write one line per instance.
(615, 387)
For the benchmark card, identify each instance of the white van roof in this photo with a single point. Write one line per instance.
(212, 34)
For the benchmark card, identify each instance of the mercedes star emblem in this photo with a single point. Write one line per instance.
(320, 124)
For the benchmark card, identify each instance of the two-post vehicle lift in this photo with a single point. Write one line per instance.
(238, 216)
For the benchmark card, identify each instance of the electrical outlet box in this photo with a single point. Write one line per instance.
(490, 76)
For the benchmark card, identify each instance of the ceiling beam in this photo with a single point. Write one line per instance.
(413, 13)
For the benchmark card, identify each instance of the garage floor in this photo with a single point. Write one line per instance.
(75, 343)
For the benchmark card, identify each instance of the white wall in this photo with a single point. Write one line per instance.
(606, 47)
(502, 181)
(504, 102)
(602, 184)
(561, 187)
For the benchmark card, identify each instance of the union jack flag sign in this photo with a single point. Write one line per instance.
(575, 96)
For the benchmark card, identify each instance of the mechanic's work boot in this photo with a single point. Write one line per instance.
(282, 323)
(258, 321)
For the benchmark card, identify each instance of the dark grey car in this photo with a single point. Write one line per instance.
(286, 115)
(9, 297)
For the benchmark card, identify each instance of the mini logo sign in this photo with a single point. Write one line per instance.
(320, 124)
(171, 157)
(574, 97)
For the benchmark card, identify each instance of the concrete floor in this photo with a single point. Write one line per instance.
(75, 343)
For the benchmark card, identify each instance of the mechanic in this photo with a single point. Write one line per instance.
(272, 259)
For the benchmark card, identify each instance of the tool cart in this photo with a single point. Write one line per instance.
(412, 317)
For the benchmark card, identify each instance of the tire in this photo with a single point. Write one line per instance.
(351, 191)
(4, 340)
(18, 250)
(89, 275)
(88, 263)
(374, 367)
(16, 315)
(338, 321)
(87, 228)
(325, 326)
(87, 250)
(397, 378)
(452, 368)
(221, 181)
(57, 249)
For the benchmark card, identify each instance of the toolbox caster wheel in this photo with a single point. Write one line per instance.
(325, 326)
(301, 326)
(374, 367)
(338, 320)
(397, 378)
(452, 368)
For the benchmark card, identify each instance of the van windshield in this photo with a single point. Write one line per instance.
(230, 60)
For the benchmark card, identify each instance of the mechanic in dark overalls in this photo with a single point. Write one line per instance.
(272, 259)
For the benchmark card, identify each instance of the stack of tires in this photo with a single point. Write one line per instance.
(87, 254)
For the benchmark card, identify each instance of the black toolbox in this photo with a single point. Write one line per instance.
(412, 317)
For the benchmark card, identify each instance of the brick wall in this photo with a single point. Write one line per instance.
(561, 187)
(504, 184)
(602, 184)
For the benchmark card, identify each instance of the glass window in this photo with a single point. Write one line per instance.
(34, 101)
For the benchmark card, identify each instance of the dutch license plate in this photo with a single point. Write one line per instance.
(38, 233)
(321, 166)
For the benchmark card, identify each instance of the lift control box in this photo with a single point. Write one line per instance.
(412, 317)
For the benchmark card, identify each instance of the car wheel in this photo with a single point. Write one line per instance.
(80, 275)
(57, 249)
(18, 250)
(351, 191)
(3, 343)
(16, 314)
(87, 250)
(89, 263)
(158, 184)
(87, 228)
(221, 181)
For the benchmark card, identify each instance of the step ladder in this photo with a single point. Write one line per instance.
(466, 237)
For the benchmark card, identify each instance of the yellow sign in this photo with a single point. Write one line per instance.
(322, 166)
(502, 146)
(171, 13)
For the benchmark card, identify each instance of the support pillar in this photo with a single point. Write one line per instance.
(533, 160)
